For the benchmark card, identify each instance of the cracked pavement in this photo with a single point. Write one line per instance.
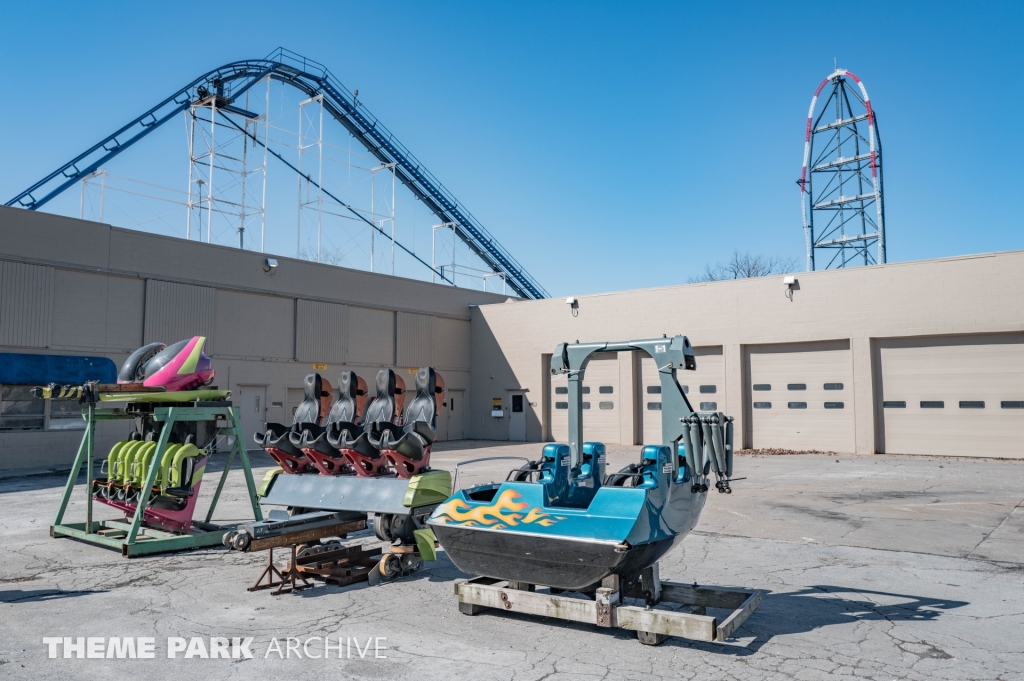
(876, 567)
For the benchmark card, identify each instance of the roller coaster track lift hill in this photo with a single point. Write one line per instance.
(232, 80)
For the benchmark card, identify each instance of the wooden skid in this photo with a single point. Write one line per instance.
(652, 625)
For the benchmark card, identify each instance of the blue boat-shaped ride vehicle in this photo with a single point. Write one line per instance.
(562, 522)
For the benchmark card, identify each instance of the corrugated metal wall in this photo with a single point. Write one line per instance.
(321, 331)
(178, 311)
(126, 302)
(415, 340)
(79, 310)
(42, 307)
(26, 295)
(253, 325)
(451, 343)
(371, 336)
(95, 311)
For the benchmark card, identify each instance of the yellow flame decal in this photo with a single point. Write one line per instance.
(504, 512)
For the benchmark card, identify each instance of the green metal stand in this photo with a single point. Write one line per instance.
(134, 538)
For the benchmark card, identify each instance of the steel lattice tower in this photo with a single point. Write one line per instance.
(841, 179)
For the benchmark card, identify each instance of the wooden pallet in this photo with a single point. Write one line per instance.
(652, 625)
(343, 566)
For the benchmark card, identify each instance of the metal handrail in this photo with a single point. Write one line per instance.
(455, 478)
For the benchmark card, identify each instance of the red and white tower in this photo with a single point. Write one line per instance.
(841, 179)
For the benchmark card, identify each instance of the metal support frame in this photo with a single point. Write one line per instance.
(222, 171)
(384, 217)
(448, 269)
(133, 538)
(102, 175)
(434, 264)
(841, 179)
(501, 275)
(311, 195)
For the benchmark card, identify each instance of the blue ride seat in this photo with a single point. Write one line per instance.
(563, 489)
(650, 456)
(592, 468)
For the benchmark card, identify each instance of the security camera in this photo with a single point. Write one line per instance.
(271, 265)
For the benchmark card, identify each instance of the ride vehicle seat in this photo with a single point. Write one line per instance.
(317, 402)
(644, 474)
(343, 429)
(133, 369)
(362, 449)
(561, 488)
(276, 441)
(420, 420)
(380, 415)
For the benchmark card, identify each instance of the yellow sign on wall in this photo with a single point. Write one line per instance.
(319, 367)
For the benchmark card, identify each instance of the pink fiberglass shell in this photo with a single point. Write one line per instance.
(184, 367)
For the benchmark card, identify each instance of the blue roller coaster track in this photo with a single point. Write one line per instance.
(231, 81)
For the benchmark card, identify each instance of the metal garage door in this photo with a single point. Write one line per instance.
(705, 388)
(600, 402)
(960, 396)
(800, 396)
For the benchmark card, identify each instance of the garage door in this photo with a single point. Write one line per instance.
(600, 401)
(705, 388)
(800, 396)
(960, 396)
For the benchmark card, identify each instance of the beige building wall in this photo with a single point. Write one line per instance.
(71, 287)
(949, 331)
(845, 321)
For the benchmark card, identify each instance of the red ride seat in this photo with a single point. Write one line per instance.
(363, 449)
(276, 440)
(407, 448)
(325, 445)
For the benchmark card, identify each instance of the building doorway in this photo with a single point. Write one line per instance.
(517, 418)
(253, 406)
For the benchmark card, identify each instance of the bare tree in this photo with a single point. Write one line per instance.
(328, 255)
(742, 266)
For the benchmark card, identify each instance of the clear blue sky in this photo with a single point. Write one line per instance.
(607, 145)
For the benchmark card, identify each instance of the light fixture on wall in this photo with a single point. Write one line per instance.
(270, 265)
(574, 305)
(791, 283)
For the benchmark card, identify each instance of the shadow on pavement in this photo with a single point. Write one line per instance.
(19, 596)
(818, 606)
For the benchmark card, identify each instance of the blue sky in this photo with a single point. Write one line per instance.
(607, 145)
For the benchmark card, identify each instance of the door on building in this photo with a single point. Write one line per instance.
(601, 392)
(295, 398)
(456, 408)
(704, 388)
(442, 420)
(800, 396)
(956, 395)
(517, 418)
(253, 405)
